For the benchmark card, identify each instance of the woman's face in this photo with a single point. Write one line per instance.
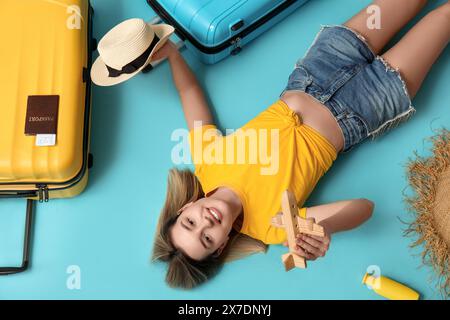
(202, 228)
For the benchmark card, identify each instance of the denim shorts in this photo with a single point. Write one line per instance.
(366, 96)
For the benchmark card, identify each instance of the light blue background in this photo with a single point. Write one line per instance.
(108, 230)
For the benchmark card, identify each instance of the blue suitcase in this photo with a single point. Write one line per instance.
(215, 29)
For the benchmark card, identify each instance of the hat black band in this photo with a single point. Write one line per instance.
(136, 63)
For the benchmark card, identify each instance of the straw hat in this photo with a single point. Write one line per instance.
(430, 179)
(127, 49)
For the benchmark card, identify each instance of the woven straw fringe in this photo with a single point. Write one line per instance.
(425, 176)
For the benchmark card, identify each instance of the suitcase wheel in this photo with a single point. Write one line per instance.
(236, 51)
(94, 44)
(90, 160)
(85, 75)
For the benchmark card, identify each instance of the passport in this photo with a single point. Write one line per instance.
(42, 115)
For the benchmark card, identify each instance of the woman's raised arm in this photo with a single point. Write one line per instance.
(193, 100)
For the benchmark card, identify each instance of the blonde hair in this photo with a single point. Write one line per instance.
(183, 272)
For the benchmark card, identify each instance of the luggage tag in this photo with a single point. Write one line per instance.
(45, 140)
(42, 119)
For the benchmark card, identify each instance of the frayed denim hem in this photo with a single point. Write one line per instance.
(403, 117)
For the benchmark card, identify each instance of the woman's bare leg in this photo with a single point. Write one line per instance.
(394, 15)
(415, 54)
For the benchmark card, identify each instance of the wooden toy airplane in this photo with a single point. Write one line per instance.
(294, 225)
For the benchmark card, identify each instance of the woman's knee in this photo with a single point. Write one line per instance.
(443, 12)
(439, 18)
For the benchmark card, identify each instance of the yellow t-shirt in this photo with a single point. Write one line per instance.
(270, 154)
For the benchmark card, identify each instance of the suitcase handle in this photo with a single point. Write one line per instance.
(180, 45)
(26, 242)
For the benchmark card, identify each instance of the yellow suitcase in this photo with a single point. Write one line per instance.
(45, 102)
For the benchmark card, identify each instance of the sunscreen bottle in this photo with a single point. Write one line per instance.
(389, 289)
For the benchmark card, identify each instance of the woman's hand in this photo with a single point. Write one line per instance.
(311, 247)
(166, 51)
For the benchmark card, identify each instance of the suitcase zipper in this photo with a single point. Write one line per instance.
(185, 35)
(42, 192)
(236, 46)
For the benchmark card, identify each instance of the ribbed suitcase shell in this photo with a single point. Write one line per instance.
(215, 29)
(42, 55)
